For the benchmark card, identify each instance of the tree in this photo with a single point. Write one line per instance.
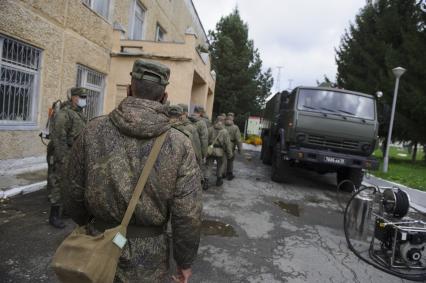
(385, 35)
(241, 86)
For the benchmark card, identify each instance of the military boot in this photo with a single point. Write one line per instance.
(230, 176)
(205, 184)
(54, 218)
(219, 182)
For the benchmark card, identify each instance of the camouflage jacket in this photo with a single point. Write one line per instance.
(107, 160)
(203, 133)
(67, 125)
(222, 139)
(190, 130)
(207, 121)
(234, 134)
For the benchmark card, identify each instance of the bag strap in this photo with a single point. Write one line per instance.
(215, 139)
(152, 157)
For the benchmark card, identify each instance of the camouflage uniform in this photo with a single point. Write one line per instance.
(203, 133)
(182, 124)
(219, 138)
(107, 160)
(205, 117)
(67, 125)
(235, 137)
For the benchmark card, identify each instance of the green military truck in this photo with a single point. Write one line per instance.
(321, 129)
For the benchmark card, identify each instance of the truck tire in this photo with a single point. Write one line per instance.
(279, 167)
(265, 153)
(355, 175)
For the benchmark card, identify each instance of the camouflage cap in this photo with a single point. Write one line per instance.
(80, 91)
(201, 109)
(175, 111)
(184, 107)
(222, 114)
(154, 72)
(230, 114)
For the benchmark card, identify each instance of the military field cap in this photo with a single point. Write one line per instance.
(184, 107)
(80, 91)
(231, 114)
(175, 110)
(154, 72)
(198, 109)
(201, 109)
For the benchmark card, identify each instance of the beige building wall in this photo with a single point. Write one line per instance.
(70, 33)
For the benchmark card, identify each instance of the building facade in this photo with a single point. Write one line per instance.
(49, 46)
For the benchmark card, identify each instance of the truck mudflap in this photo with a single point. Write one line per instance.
(331, 158)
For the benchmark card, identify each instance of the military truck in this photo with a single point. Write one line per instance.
(321, 129)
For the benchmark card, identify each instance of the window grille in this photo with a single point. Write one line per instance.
(19, 72)
(94, 82)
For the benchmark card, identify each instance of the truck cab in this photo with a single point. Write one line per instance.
(321, 129)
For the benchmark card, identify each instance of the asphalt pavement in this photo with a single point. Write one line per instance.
(254, 230)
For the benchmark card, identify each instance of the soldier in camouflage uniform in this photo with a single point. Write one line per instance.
(67, 124)
(205, 116)
(106, 162)
(235, 137)
(180, 122)
(219, 140)
(203, 133)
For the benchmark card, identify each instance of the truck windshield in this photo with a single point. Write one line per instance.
(336, 102)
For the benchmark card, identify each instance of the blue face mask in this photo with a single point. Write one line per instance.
(82, 102)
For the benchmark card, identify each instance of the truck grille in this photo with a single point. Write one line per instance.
(321, 141)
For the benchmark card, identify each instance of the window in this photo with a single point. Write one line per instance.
(136, 24)
(159, 33)
(99, 6)
(94, 82)
(19, 73)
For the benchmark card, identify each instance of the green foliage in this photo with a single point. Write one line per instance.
(388, 34)
(241, 86)
(402, 170)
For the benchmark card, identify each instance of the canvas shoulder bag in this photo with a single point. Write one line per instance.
(210, 148)
(83, 258)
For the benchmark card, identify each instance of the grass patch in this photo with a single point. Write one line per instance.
(402, 170)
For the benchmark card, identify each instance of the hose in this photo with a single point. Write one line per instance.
(413, 277)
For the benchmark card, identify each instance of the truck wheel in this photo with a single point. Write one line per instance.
(279, 168)
(355, 175)
(265, 153)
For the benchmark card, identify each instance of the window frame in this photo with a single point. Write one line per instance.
(157, 32)
(83, 83)
(133, 18)
(91, 5)
(35, 97)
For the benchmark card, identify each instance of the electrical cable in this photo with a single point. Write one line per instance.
(413, 277)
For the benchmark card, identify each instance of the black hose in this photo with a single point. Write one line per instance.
(414, 277)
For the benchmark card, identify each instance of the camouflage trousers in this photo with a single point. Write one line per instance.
(144, 260)
(210, 165)
(230, 165)
(53, 178)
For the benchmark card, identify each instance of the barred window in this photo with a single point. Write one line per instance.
(137, 21)
(19, 73)
(94, 82)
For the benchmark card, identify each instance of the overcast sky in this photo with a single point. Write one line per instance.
(299, 35)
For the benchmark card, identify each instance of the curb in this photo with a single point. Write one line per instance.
(23, 190)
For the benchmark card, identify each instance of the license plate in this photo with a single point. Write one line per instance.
(334, 160)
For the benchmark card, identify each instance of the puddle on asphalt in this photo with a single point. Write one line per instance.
(291, 208)
(33, 176)
(216, 228)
